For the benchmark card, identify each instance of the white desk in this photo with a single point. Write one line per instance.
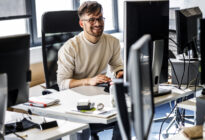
(181, 136)
(64, 128)
(176, 94)
(69, 98)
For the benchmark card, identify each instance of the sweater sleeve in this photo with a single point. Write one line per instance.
(66, 65)
(116, 63)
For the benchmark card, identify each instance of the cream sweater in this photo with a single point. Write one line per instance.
(78, 58)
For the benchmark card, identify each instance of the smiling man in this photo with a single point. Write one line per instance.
(83, 59)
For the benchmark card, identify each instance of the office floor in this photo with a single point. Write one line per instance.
(160, 111)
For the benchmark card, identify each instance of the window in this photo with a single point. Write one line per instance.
(9, 27)
(25, 15)
(42, 6)
(14, 15)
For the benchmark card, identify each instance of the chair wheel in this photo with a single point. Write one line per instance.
(165, 135)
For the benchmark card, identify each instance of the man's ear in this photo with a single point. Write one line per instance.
(81, 23)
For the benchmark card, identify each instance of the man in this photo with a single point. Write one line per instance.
(83, 60)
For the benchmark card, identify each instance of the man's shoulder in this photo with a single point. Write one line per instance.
(72, 42)
(75, 38)
(110, 37)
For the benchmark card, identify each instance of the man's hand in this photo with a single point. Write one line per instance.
(98, 79)
(119, 74)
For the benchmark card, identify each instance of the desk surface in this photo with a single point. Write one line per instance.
(69, 98)
(176, 94)
(181, 136)
(64, 128)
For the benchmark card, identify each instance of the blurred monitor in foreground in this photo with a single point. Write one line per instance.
(14, 64)
(140, 90)
(140, 86)
(14, 61)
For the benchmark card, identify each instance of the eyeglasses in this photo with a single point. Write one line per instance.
(93, 20)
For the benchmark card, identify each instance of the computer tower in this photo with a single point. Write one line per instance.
(190, 72)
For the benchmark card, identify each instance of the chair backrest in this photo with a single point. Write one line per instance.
(57, 27)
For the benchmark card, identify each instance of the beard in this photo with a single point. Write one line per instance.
(95, 31)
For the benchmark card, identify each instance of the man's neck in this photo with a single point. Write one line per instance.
(91, 39)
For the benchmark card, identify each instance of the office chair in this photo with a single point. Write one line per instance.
(57, 28)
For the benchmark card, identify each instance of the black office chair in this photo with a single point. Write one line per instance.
(57, 27)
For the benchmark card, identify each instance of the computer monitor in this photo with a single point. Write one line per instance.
(14, 72)
(186, 29)
(146, 17)
(14, 61)
(140, 86)
(202, 49)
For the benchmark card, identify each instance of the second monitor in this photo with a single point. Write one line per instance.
(148, 17)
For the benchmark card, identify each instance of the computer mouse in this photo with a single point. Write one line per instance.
(107, 84)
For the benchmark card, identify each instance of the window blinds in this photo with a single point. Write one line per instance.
(14, 9)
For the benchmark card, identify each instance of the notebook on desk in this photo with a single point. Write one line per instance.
(105, 113)
(42, 101)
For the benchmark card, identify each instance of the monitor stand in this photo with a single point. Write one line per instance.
(158, 52)
(161, 91)
(3, 103)
(191, 59)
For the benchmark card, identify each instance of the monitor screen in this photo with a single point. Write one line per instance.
(202, 49)
(186, 29)
(146, 17)
(14, 61)
(140, 86)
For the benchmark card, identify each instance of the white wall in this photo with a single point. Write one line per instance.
(36, 55)
(173, 3)
(192, 3)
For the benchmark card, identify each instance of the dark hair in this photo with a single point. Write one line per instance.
(89, 7)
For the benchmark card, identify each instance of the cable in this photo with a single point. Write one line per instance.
(188, 72)
(174, 71)
(18, 136)
(196, 80)
(182, 73)
(15, 133)
(165, 120)
(173, 41)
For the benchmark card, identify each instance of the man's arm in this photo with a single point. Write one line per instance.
(119, 74)
(89, 81)
(116, 60)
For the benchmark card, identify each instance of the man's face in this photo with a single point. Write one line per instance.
(93, 24)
